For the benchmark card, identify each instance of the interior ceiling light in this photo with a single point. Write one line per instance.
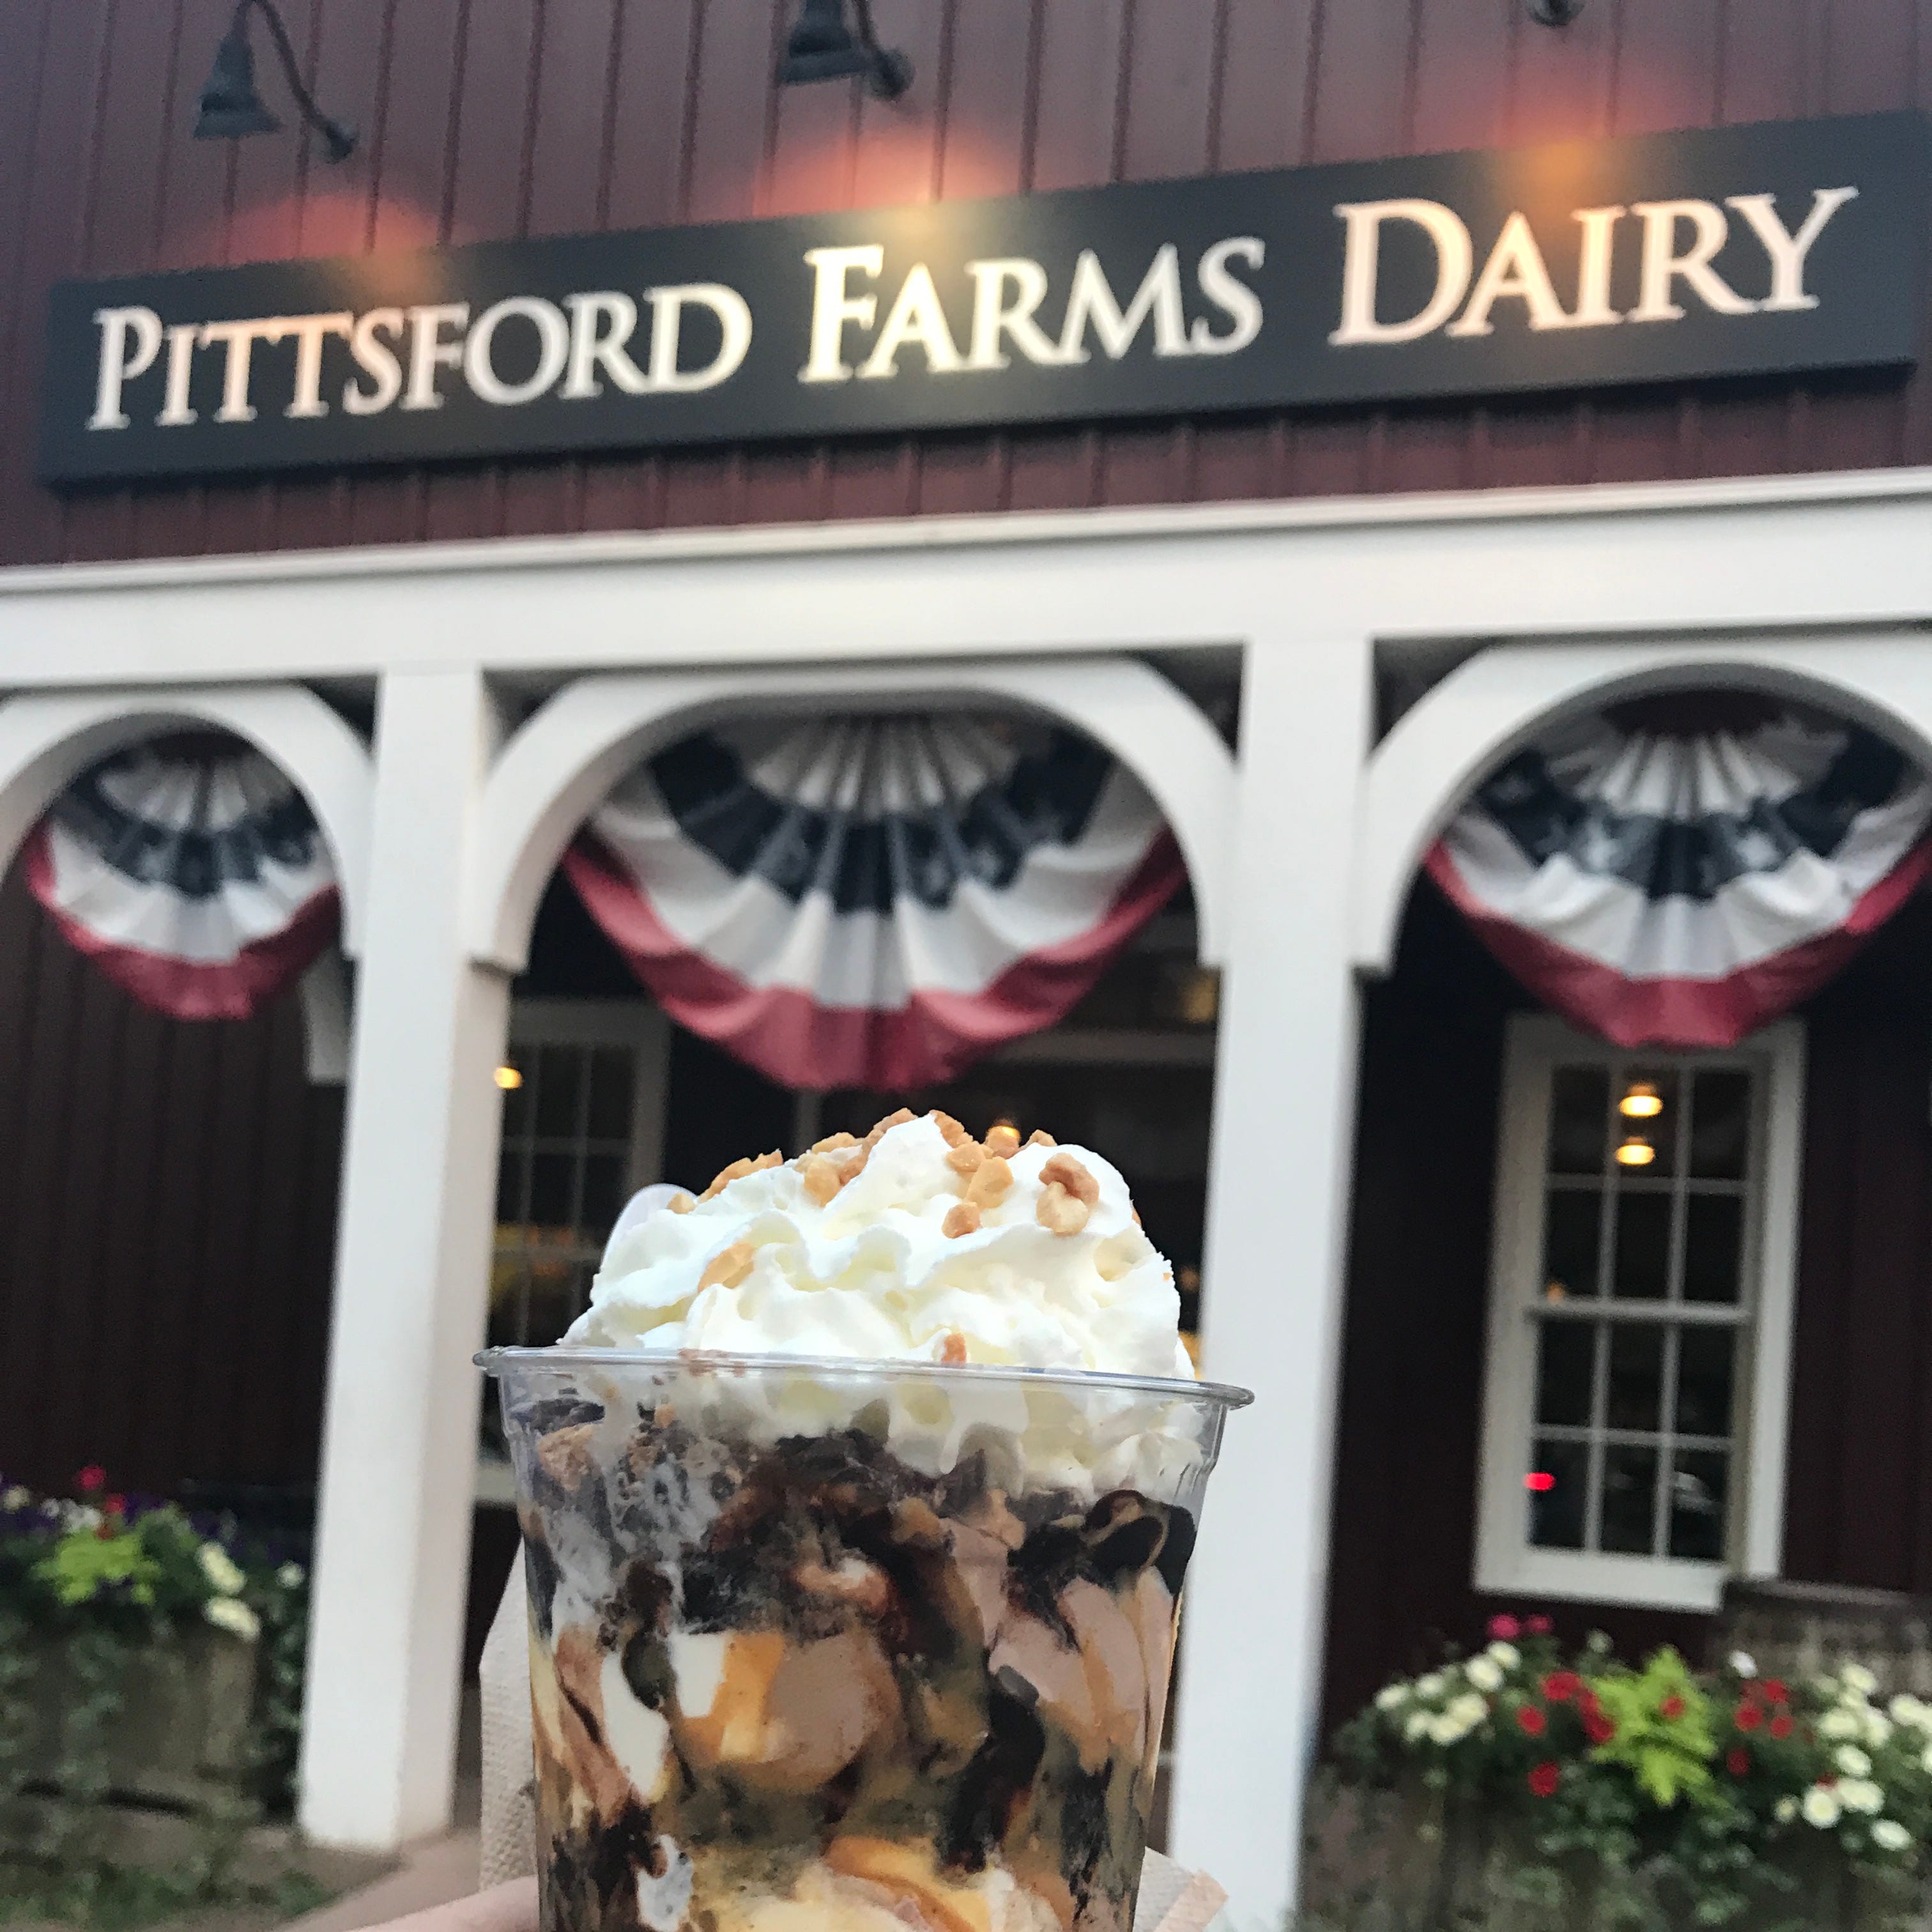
(230, 107)
(508, 1078)
(1635, 1152)
(824, 46)
(1554, 12)
(1642, 1102)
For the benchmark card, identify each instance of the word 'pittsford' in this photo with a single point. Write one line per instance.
(596, 337)
(405, 357)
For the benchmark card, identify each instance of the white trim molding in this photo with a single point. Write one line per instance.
(559, 766)
(1762, 1318)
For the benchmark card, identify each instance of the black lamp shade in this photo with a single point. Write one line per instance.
(822, 47)
(230, 107)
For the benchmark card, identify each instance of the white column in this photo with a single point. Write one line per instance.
(412, 1273)
(1284, 1115)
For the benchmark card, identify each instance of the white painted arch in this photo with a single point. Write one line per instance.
(48, 739)
(563, 760)
(1494, 702)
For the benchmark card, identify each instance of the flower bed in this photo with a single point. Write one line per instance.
(1532, 1787)
(144, 1652)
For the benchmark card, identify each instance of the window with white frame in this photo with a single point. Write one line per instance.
(1640, 1316)
(582, 1129)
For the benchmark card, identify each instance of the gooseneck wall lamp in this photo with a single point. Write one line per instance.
(822, 45)
(231, 108)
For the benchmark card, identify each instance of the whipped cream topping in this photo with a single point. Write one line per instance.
(917, 1244)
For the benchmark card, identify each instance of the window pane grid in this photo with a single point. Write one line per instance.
(561, 1186)
(1672, 1133)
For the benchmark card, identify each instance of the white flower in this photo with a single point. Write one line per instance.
(1856, 1677)
(15, 1498)
(230, 1613)
(1468, 1710)
(1861, 1795)
(1785, 1810)
(1878, 1729)
(1910, 1713)
(1430, 1686)
(1839, 1724)
(290, 1575)
(79, 1515)
(1851, 1760)
(1447, 1730)
(1743, 1664)
(1506, 1655)
(1485, 1673)
(1417, 1728)
(1889, 1835)
(1387, 1699)
(1821, 1807)
(218, 1567)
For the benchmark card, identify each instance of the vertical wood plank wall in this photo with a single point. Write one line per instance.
(1859, 1480)
(494, 118)
(167, 1217)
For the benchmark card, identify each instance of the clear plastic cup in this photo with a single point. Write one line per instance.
(827, 1643)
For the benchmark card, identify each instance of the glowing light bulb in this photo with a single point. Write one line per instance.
(508, 1078)
(1635, 1152)
(1539, 1481)
(1642, 1102)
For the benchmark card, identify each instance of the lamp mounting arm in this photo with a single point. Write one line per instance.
(337, 139)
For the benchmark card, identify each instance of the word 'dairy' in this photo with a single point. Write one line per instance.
(1678, 243)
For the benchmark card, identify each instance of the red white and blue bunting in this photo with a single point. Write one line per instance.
(1683, 886)
(191, 872)
(873, 902)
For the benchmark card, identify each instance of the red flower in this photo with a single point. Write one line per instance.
(1504, 1629)
(1781, 1726)
(1749, 1716)
(93, 1477)
(1773, 1689)
(1560, 1686)
(1543, 1781)
(114, 1505)
(1672, 1708)
(1738, 1762)
(1586, 1702)
(1598, 1728)
(1538, 1626)
(1532, 1721)
(1827, 1779)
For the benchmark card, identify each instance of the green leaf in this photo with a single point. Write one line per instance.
(83, 1564)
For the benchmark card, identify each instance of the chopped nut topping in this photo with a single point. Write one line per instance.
(832, 1142)
(728, 1269)
(1039, 1137)
(961, 1218)
(965, 1157)
(1071, 1176)
(680, 1203)
(991, 1181)
(954, 1351)
(1003, 1140)
(897, 1118)
(1060, 1212)
(951, 1131)
(739, 1168)
(823, 1178)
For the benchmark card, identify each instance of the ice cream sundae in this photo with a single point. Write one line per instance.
(856, 1511)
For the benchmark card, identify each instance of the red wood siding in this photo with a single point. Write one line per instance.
(167, 1214)
(486, 117)
(1858, 1482)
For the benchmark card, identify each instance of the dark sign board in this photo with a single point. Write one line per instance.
(1752, 250)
